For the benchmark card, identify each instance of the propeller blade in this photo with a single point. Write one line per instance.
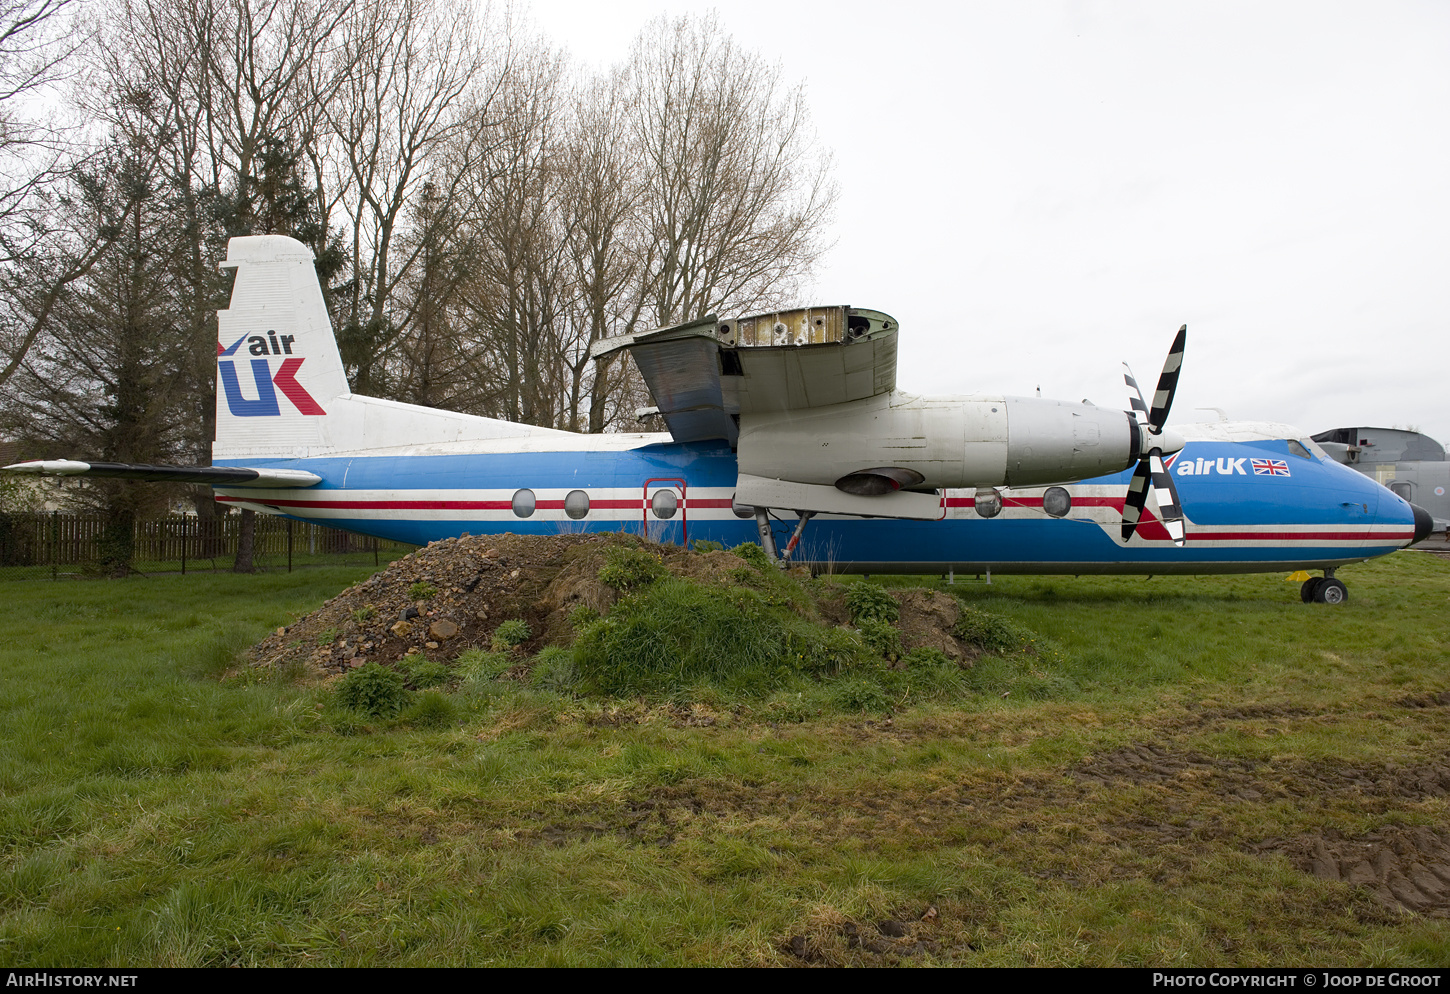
(1150, 473)
(1168, 382)
(1166, 496)
(1137, 497)
(1135, 396)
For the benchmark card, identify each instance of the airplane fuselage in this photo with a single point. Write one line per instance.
(1251, 506)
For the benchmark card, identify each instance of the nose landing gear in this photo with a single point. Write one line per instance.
(1324, 590)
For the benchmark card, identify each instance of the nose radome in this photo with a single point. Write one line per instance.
(1424, 524)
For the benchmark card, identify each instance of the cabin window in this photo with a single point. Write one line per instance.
(988, 503)
(523, 503)
(576, 504)
(1056, 501)
(1402, 490)
(664, 503)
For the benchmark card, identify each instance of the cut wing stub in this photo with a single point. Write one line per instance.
(1151, 474)
(228, 476)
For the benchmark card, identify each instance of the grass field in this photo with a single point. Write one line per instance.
(1198, 744)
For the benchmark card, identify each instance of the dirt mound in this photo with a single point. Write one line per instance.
(450, 597)
(927, 620)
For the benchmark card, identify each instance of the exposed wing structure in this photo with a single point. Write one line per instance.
(807, 398)
(229, 476)
(704, 374)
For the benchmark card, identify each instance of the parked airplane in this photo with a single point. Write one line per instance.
(1410, 463)
(794, 412)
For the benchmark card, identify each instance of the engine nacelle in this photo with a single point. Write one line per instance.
(900, 441)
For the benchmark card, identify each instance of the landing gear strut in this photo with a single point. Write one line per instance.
(767, 539)
(795, 539)
(1324, 590)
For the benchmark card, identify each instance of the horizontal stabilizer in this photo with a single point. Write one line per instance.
(758, 491)
(228, 476)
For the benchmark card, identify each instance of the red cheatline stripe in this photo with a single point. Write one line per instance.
(1299, 536)
(701, 504)
(1114, 502)
(394, 505)
(635, 504)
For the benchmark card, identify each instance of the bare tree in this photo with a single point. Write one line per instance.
(515, 302)
(604, 188)
(417, 72)
(40, 252)
(436, 366)
(496, 216)
(269, 63)
(738, 195)
(37, 42)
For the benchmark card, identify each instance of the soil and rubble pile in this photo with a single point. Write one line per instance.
(450, 596)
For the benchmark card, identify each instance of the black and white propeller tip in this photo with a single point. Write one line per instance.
(1155, 442)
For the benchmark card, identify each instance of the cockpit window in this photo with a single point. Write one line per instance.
(1297, 448)
(1313, 447)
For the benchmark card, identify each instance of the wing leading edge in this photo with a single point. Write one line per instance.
(228, 476)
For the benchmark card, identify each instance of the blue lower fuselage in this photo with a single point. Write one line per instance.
(1256, 506)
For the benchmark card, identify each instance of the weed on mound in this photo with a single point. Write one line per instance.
(603, 616)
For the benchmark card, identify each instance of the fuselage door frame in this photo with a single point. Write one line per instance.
(652, 488)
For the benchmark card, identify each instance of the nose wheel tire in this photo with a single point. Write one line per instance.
(1323, 590)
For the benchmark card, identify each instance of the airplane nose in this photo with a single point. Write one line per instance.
(1424, 524)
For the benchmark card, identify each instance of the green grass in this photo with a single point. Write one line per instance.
(158, 806)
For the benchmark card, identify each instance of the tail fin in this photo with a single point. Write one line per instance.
(281, 390)
(278, 369)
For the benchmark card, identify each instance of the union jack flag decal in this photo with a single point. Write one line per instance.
(1269, 467)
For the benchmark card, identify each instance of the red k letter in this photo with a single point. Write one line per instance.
(286, 380)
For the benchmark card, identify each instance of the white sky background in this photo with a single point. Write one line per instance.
(1041, 190)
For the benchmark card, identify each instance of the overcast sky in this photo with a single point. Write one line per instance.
(1039, 191)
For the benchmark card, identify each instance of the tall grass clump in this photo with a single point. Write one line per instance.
(628, 567)
(374, 690)
(870, 603)
(511, 633)
(675, 633)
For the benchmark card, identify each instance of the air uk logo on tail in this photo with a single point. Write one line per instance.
(263, 348)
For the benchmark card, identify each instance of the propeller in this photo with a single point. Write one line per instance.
(1153, 442)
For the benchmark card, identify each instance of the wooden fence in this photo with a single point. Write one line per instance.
(37, 542)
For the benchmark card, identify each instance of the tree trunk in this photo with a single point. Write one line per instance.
(246, 532)
(118, 542)
(208, 524)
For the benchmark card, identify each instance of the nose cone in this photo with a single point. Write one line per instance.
(1424, 524)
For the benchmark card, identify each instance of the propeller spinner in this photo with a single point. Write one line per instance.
(1154, 442)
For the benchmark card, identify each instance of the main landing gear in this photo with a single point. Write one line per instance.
(767, 539)
(1324, 590)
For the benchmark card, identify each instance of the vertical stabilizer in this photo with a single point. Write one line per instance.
(279, 373)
